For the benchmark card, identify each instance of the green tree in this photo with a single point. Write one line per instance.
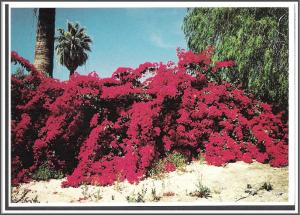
(72, 46)
(256, 38)
(44, 47)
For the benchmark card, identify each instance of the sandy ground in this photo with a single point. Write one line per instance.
(236, 182)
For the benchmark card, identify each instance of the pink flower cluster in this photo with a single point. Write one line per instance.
(99, 130)
(25, 63)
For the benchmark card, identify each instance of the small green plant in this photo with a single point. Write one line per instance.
(201, 158)
(131, 198)
(179, 160)
(35, 200)
(21, 197)
(252, 191)
(267, 186)
(139, 197)
(154, 195)
(117, 185)
(44, 172)
(158, 168)
(87, 194)
(201, 191)
(97, 195)
(84, 189)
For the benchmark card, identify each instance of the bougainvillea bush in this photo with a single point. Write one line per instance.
(98, 130)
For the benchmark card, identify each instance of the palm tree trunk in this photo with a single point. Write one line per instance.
(72, 72)
(44, 47)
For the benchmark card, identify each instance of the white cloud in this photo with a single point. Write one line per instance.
(158, 41)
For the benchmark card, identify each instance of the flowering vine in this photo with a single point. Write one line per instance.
(98, 130)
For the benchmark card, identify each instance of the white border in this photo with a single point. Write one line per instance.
(293, 91)
(9, 109)
(147, 4)
(2, 106)
(293, 102)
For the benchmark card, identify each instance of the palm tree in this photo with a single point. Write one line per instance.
(72, 46)
(44, 47)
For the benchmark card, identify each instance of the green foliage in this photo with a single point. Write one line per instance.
(88, 194)
(20, 196)
(84, 189)
(256, 38)
(254, 191)
(179, 160)
(72, 46)
(117, 185)
(267, 186)
(139, 197)
(44, 172)
(154, 195)
(201, 191)
(158, 168)
(97, 195)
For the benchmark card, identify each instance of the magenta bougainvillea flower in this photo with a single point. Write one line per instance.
(98, 130)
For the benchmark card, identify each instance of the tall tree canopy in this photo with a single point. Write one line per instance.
(256, 38)
(44, 47)
(72, 46)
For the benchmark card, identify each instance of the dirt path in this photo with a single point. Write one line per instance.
(236, 182)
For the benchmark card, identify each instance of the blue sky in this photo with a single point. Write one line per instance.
(121, 37)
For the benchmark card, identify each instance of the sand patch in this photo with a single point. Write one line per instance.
(236, 182)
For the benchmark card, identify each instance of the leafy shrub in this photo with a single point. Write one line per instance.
(267, 186)
(178, 160)
(139, 197)
(99, 130)
(252, 190)
(44, 172)
(20, 196)
(170, 163)
(158, 169)
(201, 191)
(154, 195)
